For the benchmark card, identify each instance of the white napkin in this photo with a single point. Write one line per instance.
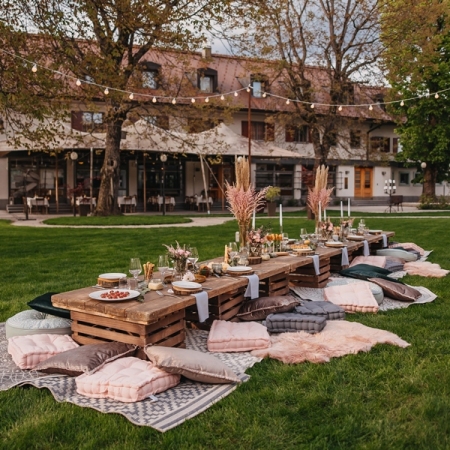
(366, 251)
(252, 290)
(344, 259)
(315, 259)
(384, 240)
(202, 305)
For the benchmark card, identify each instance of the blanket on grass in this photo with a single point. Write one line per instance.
(338, 338)
(171, 408)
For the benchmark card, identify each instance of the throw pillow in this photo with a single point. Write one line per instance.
(43, 303)
(196, 366)
(397, 291)
(366, 271)
(85, 358)
(260, 308)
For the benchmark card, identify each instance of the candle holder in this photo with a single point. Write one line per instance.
(389, 189)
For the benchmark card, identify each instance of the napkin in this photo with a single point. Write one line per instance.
(366, 251)
(315, 259)
(384, 240)
(252, 290)
(344, 259)
(201, 298)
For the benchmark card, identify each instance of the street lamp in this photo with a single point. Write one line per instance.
(74, 157)
(423, 165)
(163, 158)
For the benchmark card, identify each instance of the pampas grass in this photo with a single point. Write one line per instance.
(320, 194)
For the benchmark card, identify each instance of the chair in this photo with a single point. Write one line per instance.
(127, 204)
(170, 203)
(41, 205)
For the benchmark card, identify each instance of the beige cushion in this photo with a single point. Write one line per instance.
(260, 308)
(354, 297)
(397, 291)
(377, 261)
(86, 358)
(194, 365)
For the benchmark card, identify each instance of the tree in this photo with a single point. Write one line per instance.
(104, 44)
(417, 61)
(321, 45)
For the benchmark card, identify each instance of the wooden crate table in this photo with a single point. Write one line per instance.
(304, 274)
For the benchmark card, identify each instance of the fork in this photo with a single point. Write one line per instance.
(162, 294)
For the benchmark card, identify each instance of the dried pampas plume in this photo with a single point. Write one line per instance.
(320, 193)
(242, 171)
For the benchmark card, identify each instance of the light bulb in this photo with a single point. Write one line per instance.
(78, 82)
(312, 105)
(287, 102)
(34, 68)
(154, 100)
(131, 96)
(436, 95)
(106, 91)
(193, 100)
(264, 94)
(222, 97)
(207, 100)
(248, 89)
(174, 102)
(370, 108)
(402, 103)
(236, 94)
(340, 108)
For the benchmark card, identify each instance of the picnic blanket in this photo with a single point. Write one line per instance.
(167, 410)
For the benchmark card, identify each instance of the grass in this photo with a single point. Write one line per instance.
(388, 398)
(117, 220)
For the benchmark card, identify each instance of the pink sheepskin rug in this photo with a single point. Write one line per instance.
(337, 339)
(425, 269)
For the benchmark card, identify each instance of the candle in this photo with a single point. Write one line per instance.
(320, 212)
(253, 219)
(281, 215)
(325, 215)
(236, 236)
(342, 210)
(349, 207)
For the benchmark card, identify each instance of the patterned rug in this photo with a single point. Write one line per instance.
(167, 410)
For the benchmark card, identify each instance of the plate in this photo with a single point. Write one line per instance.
(375, 231)
(97, 295)
(186, 285)
(239, 269)
(112, 276)
(355, 237)
(334, 244)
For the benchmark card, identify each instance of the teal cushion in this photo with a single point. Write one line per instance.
(366, 271)
(43, 304)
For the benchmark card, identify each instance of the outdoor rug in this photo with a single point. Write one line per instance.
(163, 412)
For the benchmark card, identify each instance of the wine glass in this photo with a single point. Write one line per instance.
(284, 241)
(135, 268)
(233, 251)
(193, 257)
(303, 234)
(163, 265)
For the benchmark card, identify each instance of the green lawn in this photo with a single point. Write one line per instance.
(388, 398)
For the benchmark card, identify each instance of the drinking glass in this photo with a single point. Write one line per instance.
(163, 265)
(303, 234)
(193, 257)
(135, 268)
(284, 241)
(233, 251)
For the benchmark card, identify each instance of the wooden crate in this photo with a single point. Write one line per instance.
(335, 261)
(305, 276)
(168, 331)
(221, 307)
(274, 285)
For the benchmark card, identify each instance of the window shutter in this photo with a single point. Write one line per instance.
(244, 128)
(289, 134)
(77, 120)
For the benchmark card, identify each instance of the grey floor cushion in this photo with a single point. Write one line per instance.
(326, 309)
(292, 322)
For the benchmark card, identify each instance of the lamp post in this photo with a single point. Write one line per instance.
(389, 188)
(74, 157)
(163, 158)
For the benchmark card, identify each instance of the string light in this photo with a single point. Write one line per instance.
(131, 96)
(312, 105)
(106, 91)
(287, 102)
(78, 82)
(174, 101)
(34, 68)
(436, 95)
(154, 100)
(192, 100)
(248, 88)
(222, 97)
(207, 100)
(370, 108)
(236, 93)
(340, 108)
(265, 94)
(402, 103)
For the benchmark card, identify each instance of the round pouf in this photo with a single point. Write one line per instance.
(376, 290)
(34, 322)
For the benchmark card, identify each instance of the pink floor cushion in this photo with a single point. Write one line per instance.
(28, 351)
(354, 297)
(378, 261)
(237, 336)
(409, 246)
(127, 379)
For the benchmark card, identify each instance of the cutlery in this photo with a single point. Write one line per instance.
(162, 294)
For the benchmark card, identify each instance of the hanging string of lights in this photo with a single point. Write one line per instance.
(155, 98)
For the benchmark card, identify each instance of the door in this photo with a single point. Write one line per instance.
(363, 182)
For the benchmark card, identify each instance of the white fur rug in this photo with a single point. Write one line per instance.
(338, 338)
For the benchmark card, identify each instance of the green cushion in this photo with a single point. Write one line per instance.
(365, 271)
(43, 303)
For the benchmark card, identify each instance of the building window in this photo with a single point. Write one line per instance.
(298, 134)
(275, 175)
(260, 84)
(88, 121)
(404, 178)
(260, 131)
(380, 144)
(395, 145)
(355, 138)
(150, 79)
(207, 80)
(158, 121)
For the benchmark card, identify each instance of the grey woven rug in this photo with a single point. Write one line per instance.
(170, 409)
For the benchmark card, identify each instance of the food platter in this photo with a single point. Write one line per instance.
(355, 237)
(375, 231)
(101, 295)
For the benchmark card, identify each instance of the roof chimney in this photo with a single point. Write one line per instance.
(206, 50)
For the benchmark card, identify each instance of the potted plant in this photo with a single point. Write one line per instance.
(273, 192)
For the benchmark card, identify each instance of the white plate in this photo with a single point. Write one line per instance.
(186, 285)
(334, 244)
(97, 295)
(239, 269)
(112, 276)
(355, 237)
(375, 231)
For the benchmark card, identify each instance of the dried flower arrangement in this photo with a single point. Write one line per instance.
(320, 193)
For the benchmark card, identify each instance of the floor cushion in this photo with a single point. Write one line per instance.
(237, 336)
(260, 308)
(377, 261)
(376, 290)
(326, 309)
(353, 297)
(196, 366)
(397, 291)
(44, 304)
(365, 271)
(127, 379)
(34, 322)
(28, 351)
(292, 322)
(398, 253)
(409, 245)
(86, 358)
(394, 264)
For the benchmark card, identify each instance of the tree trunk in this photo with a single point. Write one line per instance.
(110, 171)
(429, 182)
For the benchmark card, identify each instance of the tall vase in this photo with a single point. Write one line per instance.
(243, 234)
(179, 269)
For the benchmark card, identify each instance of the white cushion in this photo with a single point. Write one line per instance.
(397, 253)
